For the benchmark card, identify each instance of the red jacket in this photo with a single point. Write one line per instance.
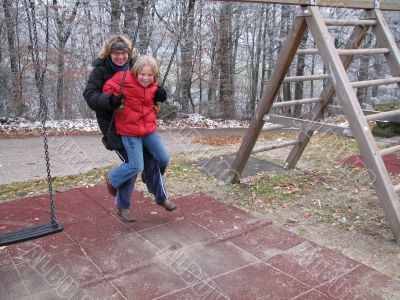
(137, 118)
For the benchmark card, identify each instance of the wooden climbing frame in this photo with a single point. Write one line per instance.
(336, 62)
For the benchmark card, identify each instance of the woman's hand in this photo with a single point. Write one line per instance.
(115, 101)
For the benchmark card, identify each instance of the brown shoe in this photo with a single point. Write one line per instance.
(125, 215)
(112, 190)
(167, 204)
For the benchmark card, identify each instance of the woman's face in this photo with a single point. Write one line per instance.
(119, 57)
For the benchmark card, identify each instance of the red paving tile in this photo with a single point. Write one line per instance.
(266, 240)
(312, 264)
(362, 283)
(203, 250)
(391, 161)
(124, 252)
(259, 281)
(179, 233)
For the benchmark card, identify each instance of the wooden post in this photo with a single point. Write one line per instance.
(358, 4)
(271, 89)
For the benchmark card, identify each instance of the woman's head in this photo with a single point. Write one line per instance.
(146, 69)
(117, 48)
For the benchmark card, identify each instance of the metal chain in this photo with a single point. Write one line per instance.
(183, 29)
(43, 111)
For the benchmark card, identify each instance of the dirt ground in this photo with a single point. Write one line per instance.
(332, 204)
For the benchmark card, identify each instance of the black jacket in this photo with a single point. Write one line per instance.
(94, 97)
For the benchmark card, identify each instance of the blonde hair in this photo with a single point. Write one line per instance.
(143, 61)
(105, 50)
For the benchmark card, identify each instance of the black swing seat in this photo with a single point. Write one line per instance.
(29, 233)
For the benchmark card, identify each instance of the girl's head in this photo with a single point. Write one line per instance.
(117, 48)
(146, 69)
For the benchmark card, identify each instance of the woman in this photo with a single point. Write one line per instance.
(114, 56)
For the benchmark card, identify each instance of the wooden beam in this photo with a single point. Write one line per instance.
(358, 4)
(305, 78)
(276, 146)
(375, 82)
(358, 124)
(343, 52)
(306, 125)
(390, 150)
(271, 90)
(348, 22)
(296, 102)
(383, 115)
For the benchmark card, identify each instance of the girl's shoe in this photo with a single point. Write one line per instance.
(112, 190)
(167, 204)
(125, 215)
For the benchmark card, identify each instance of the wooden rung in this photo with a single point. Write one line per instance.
(368, 83)
(347, 22)
(348, 52)
(307, 125)
(383, 115)
(305, 77)
(338, 110)
(397, 187)
(390, 150)
(371, 51)
(273, 127)
(297, 102)
(276, 146)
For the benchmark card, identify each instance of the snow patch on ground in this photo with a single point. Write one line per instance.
(20, 125)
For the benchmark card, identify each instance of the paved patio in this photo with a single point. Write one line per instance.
(203, 250)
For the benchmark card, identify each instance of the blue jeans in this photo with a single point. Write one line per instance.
(146, 152)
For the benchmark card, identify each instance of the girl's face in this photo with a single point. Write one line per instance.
(146, 76)
(119, 57)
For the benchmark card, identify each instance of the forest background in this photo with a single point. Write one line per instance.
(226, 53)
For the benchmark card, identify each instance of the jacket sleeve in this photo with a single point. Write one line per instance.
(93, 95)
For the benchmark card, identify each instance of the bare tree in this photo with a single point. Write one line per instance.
(64, 26)
(18, 106)
(115, 16)
(187, 59)
(226, 96)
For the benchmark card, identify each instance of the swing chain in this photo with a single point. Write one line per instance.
(43, 111)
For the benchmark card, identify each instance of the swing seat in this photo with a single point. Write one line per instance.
(29, 233)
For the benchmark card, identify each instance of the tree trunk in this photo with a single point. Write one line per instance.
(18, 106)
(256, 62)
(299, 86)
(143, 15)
(129, 18)
(115, 16)
(363, 73)
(226, 98)
(187, 60)
(64, 29)
(287, 93)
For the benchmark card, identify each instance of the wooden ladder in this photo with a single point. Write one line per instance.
(336, 61)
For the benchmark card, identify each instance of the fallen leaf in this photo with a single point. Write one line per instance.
(292, 220)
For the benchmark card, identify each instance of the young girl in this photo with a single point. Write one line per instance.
(136, 122)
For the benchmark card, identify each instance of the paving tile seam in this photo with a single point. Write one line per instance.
(333, 280)
(306, 292)
(22, 280)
